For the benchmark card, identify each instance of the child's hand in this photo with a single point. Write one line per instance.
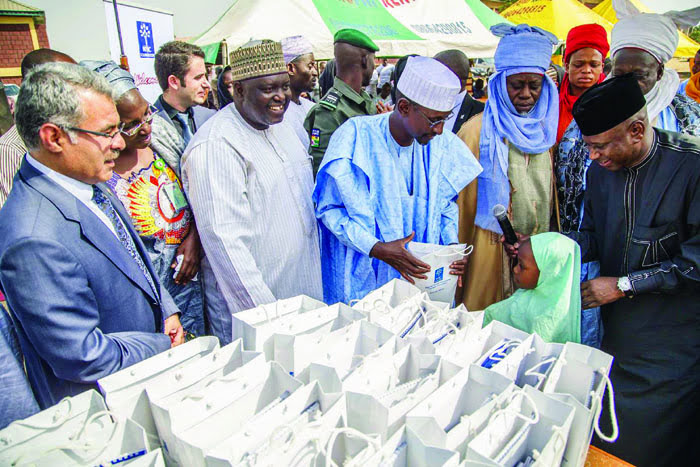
(458, 268)
(512, 250)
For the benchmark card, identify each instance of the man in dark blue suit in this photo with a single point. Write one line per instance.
(182, 76)
(79, 285)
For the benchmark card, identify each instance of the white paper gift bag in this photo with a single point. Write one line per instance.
(405, 449)
(254, 326)
(339, 348)
(303, 403)
(335, 366)
(502, 340)
(379, 375)
(579, 377)
(124, 390)
(452, 415)
(76, 431)
(467, 323)
(511, 363)
(230, 361)
(474, 346)
(305, 440)
(538, 362)
(314, 325)
(440, 284)
(49, 428)
(391, 294)
(532, 427)
(222, 409)
(383, 412)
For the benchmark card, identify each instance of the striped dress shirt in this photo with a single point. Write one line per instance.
(11, 152)
(250, 192)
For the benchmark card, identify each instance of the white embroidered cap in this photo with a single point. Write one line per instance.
(429, 83)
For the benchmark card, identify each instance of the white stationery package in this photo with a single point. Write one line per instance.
(532, 428)
(224, 408)
(254, 326)
(77, 431)
(292, 413)
(313, 326)
(405, 449)
(124, 390)
(452, 415)
(225, 363)
(579, 377)
(440, 284)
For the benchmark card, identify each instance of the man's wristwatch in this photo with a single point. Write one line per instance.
(625, 286)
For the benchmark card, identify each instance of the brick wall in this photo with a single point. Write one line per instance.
(15, 43)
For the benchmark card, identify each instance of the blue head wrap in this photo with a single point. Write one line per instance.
(523, 49)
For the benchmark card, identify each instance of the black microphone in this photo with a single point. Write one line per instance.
(499, 212)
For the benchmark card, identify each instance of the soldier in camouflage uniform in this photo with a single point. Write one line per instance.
(354, 56)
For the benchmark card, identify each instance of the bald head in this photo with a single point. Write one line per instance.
(41, 56)
(456, 61)
(353, 62)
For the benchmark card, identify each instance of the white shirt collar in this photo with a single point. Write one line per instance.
(80, 190)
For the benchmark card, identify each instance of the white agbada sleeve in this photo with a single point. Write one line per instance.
(218, 193)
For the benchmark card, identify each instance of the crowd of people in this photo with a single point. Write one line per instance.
(127, 227)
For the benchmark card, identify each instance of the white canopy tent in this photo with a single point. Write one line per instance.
(398, 27)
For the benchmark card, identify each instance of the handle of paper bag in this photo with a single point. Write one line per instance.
(540, 376)
(350, 432)
(57, 420)
(466, 251)
(532, 421)
(558, 437)
(611, 406)
(77, 444)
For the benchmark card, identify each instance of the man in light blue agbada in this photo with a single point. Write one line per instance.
(388, 179)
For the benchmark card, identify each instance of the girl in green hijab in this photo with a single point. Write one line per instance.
(548, 299)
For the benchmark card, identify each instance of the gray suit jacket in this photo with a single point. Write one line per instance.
(82, 307)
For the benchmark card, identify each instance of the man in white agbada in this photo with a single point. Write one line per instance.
(301, 66)
(249, 182)
(388, 179)
(641, 44)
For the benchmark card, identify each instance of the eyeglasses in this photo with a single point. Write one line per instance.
(433, 123)
(131, 131)
(111, 136)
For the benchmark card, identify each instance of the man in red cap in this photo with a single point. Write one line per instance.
(586, 48)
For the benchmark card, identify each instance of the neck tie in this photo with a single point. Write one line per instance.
(123, 235)
(186, 132)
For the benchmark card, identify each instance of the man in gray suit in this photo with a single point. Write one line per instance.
(182, 76)
(80, 287)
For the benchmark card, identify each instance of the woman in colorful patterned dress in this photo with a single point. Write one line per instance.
(150, 189)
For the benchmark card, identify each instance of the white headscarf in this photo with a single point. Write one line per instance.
(657, 35)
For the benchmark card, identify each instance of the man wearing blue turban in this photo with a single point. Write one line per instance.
(512, 139)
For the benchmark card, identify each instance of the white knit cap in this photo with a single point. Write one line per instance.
(429, 83)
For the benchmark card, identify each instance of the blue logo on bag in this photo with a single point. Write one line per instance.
(438, 274)
(144, 32)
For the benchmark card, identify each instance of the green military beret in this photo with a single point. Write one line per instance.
(356, 38)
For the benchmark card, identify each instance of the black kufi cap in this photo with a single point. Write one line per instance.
(606, 105)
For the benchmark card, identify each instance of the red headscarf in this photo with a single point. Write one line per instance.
(580, 37)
